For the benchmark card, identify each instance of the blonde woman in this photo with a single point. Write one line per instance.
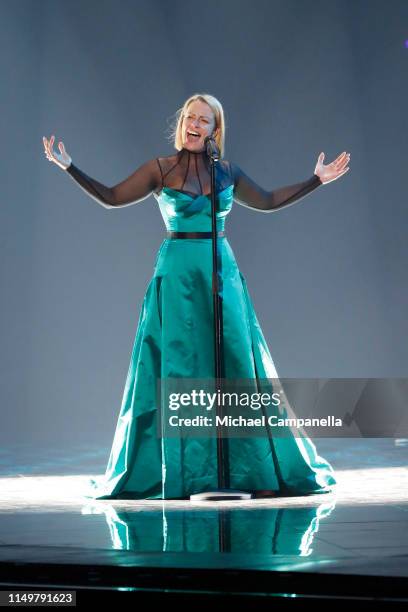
(174, 337)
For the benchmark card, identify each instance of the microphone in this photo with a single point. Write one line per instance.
(212, 149)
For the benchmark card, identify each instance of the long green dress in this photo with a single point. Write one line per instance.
(174, 339)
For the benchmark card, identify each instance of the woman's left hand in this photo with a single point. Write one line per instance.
(332, 171)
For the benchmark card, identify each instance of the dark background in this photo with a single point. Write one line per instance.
(327, 275)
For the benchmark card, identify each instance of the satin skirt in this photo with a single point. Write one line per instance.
(174, 339)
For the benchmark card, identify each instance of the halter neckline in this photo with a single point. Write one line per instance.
(183, 150)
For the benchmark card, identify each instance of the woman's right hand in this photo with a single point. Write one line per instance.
(63, 160)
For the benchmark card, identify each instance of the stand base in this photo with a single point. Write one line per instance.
(221, 494)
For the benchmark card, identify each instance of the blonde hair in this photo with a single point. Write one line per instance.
(218, 111)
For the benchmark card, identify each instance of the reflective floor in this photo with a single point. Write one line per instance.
(360, 529)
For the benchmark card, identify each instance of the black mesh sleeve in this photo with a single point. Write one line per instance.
(248, 193)
(136, 187)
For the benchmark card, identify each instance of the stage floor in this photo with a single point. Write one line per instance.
(361, 529)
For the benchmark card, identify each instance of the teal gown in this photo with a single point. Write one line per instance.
(174, 339)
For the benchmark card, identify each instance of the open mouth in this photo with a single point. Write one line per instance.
(193, 135)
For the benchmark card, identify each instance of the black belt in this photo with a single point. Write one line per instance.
(171, 234)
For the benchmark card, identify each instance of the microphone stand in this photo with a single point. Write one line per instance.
(223, 492)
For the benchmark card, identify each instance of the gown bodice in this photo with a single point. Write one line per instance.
(185, 192)
(183, 212)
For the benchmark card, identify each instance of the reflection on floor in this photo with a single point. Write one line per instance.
(362, 528)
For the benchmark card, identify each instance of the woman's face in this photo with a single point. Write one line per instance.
(198, 118)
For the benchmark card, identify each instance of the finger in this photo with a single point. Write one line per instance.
(52, 140)
(339, 158)
(51, 153)
(342, 162)
(343, 156)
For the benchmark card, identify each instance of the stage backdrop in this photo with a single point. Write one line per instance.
(328, 276)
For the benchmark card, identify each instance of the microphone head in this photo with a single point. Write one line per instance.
(211, 148)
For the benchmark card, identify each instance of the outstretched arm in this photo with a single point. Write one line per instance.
(136, 187)
(248, 193)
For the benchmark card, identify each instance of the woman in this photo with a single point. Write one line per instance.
(174, 337)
